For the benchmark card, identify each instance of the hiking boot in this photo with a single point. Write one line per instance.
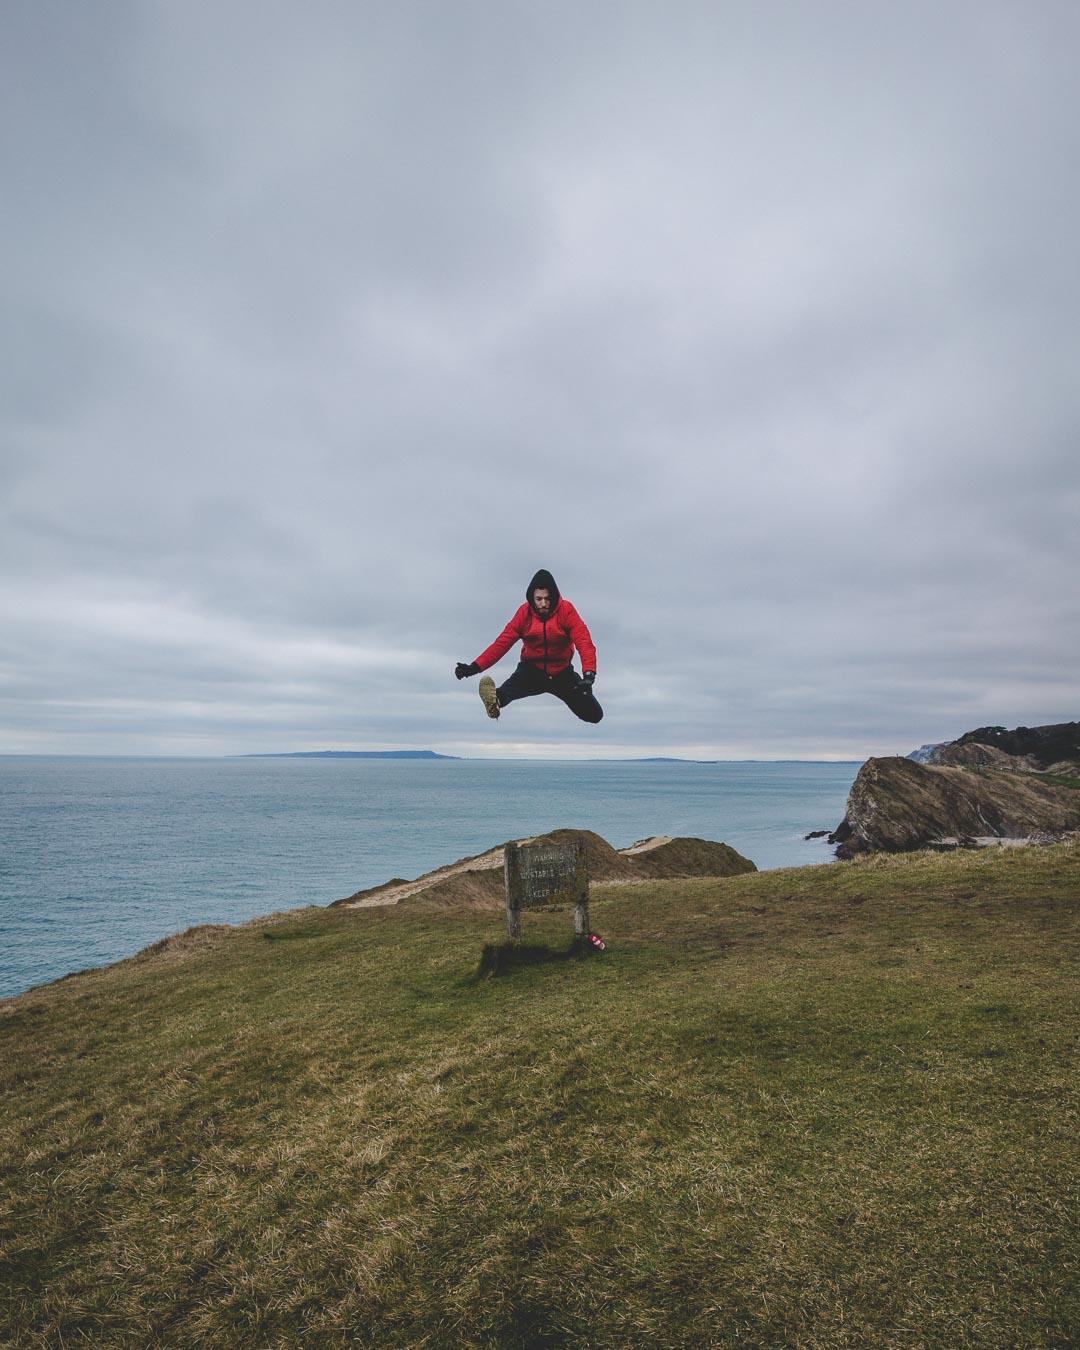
(488, 696)
(596, 942)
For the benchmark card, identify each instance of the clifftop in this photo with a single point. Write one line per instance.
(1048, 749)
(1045, 747)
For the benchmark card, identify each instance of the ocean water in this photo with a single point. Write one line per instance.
(99, 857)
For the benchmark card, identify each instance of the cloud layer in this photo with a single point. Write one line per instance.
(755, 323)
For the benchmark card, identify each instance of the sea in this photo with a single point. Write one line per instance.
(100, 857)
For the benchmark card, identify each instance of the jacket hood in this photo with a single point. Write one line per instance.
(544, 581)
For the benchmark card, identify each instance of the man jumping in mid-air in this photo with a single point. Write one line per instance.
(550, 628)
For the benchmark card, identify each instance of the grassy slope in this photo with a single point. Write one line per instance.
(826, 1106)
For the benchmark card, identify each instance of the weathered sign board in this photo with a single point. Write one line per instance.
(546, 873)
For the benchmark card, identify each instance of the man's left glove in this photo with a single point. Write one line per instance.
(589, 678)
(463, 671)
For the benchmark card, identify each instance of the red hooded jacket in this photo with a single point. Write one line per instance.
(549, 642)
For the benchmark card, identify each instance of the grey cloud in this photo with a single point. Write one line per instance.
(755, 323)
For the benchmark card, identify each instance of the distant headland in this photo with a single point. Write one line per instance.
(349, 754)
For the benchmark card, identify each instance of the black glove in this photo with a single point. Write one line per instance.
(589, 678)
(463, 671)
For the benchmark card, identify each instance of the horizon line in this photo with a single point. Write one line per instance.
(416, 756)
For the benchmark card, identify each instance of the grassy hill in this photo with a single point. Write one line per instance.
(831, 1106)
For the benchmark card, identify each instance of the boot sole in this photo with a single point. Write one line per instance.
(488, 696)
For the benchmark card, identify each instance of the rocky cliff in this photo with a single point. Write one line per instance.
(969, 791)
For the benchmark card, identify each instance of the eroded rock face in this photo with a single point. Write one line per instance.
(925, 753)
(896, 805)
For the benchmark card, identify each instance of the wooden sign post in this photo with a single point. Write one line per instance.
(546, 874)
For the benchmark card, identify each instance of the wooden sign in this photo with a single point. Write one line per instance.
(546, 873)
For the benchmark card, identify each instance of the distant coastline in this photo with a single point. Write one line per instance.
(479, 759)
(348, 754)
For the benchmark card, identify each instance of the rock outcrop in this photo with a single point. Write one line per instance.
(477, 882)
(896, 804)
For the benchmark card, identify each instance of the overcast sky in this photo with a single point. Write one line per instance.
(324, 326)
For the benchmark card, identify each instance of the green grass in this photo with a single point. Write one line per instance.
(831, 1106)
(1056, 779)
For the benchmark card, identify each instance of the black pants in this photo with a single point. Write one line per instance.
(566, 684)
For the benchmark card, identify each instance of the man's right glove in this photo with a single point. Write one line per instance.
(463, 671)
(589, 678)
